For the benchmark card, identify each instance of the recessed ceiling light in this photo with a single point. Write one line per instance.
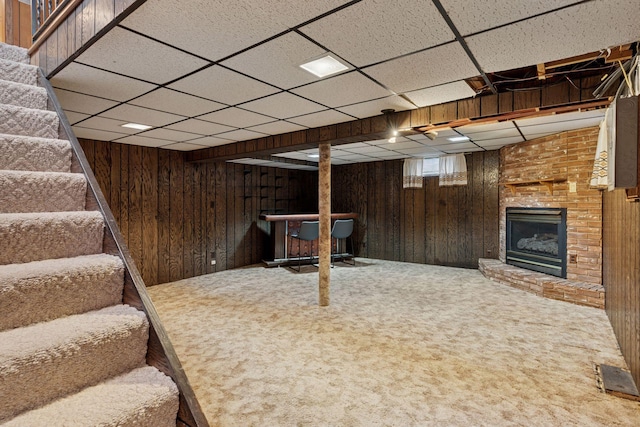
(324, 66)
(458, 138)
(136, 126)
(313, 156)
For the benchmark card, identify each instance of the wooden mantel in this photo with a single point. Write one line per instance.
(547, 182)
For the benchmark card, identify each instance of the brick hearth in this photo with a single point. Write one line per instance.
(541, 284)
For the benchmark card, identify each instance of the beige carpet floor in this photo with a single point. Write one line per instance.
(400, 345)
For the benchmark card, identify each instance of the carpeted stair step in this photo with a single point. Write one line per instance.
(34, 154)
(40, 291)
(18, 72)
(27, 237)
(16, 120)
(50, 360)
(22, 95)
(144, 397)
(27, 191)
(13, 53)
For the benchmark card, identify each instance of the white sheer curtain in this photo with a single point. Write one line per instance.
(412, 173)
(453, 170)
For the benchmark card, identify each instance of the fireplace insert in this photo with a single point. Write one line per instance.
(537, 239)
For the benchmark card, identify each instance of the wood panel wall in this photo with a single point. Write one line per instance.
(176, 217)
(451, 226)
(15, 27)
(621, 274)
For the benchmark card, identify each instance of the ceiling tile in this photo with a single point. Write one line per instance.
(200, 127)
(88, 80)
(567, 33)
(139, 57)
(455, 146)
(441, 94)
(183, 146)
(277, 127)
(566, 117)
(95, 134)
(211, 141)
(463, 150)
(175, 102)
(418, 152)
(144, 141)
(556, 127)
(236, 117)
(103, 123)
(222, 85)
(283, 105)
(322, 118)
(74, 117)
(485, 127)
(169, 135)
(494, 143)
(278, 61)
(242, 135)
(432, 67)
(405, 145)
(372, 31)
(373, 108)
(145, 116)
(83, 103)
(372, 150)
(494, 134)
(342, 90)
(479, 15)
(237, 24)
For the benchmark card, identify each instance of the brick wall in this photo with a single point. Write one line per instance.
(567, 155)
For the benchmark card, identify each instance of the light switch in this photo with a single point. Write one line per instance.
(572, 187)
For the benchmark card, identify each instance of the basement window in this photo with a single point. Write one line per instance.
(431, 167)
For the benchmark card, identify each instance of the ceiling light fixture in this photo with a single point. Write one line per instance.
(136, 126)
(324, 66)
(458, 138)
(313, 156)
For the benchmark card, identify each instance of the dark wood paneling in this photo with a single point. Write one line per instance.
(435, 225)
(621, 273)
(174, 215)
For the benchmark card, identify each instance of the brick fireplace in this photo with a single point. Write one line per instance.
(554, 172)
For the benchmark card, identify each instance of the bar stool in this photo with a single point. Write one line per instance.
(342, 229)
(309, 231)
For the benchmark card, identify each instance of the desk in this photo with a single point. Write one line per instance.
(279, 235)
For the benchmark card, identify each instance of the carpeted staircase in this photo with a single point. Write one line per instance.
(70, 352)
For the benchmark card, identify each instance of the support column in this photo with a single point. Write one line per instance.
(324, 210)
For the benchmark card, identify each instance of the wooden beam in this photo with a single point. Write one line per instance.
(621, 53)
(573, 60)
(324, 210)
(542, 74)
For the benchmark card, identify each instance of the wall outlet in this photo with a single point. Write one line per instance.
(573, 258)
(572, 187)
(213, 262)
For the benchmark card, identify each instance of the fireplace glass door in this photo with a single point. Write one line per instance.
(537, 239)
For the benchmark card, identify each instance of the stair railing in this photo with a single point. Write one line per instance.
(160, 351)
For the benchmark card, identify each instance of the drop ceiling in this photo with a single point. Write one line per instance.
(204, 73)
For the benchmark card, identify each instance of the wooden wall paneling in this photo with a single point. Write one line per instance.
(394, 174)
(134, 241)
(78, 27)
(71, 34)
(197, 235)
(373, 243)
(114, 172)
(88, 21)
(122, 5)
(124, 192)
(220, 224)
(505, 102)
(239, 217)
(13, 30)
(164, 217)
(102, 166)
(189, 219)
(52, 52)
(489, 105)
(231, 216)
(150, 256)
(177, 218)
(556, 94)
(104, 13)
(404, 235)
(63, 38)
(452, 239)
(381, 223)
(247, 215)
(419, 224)
(441, 229)
(259, 236)
(491, 209)
(526, 99)
(363, 208)
(469, 108)
(5, 10)
(88, 147)
(430, 205)
(25, 25)
(477, 208)
(465, 229)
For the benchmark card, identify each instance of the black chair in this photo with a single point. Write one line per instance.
(309, 231)
(343, 229)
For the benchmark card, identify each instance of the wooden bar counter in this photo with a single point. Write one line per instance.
(279, 235)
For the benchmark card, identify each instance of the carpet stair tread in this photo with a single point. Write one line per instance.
(26, 237)
(18, 72)
(144, 397)
(16, 120)
(48, 360)
(23, 95)
(14, 53)
(34, 154)
(29, 191)
(45, 290)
